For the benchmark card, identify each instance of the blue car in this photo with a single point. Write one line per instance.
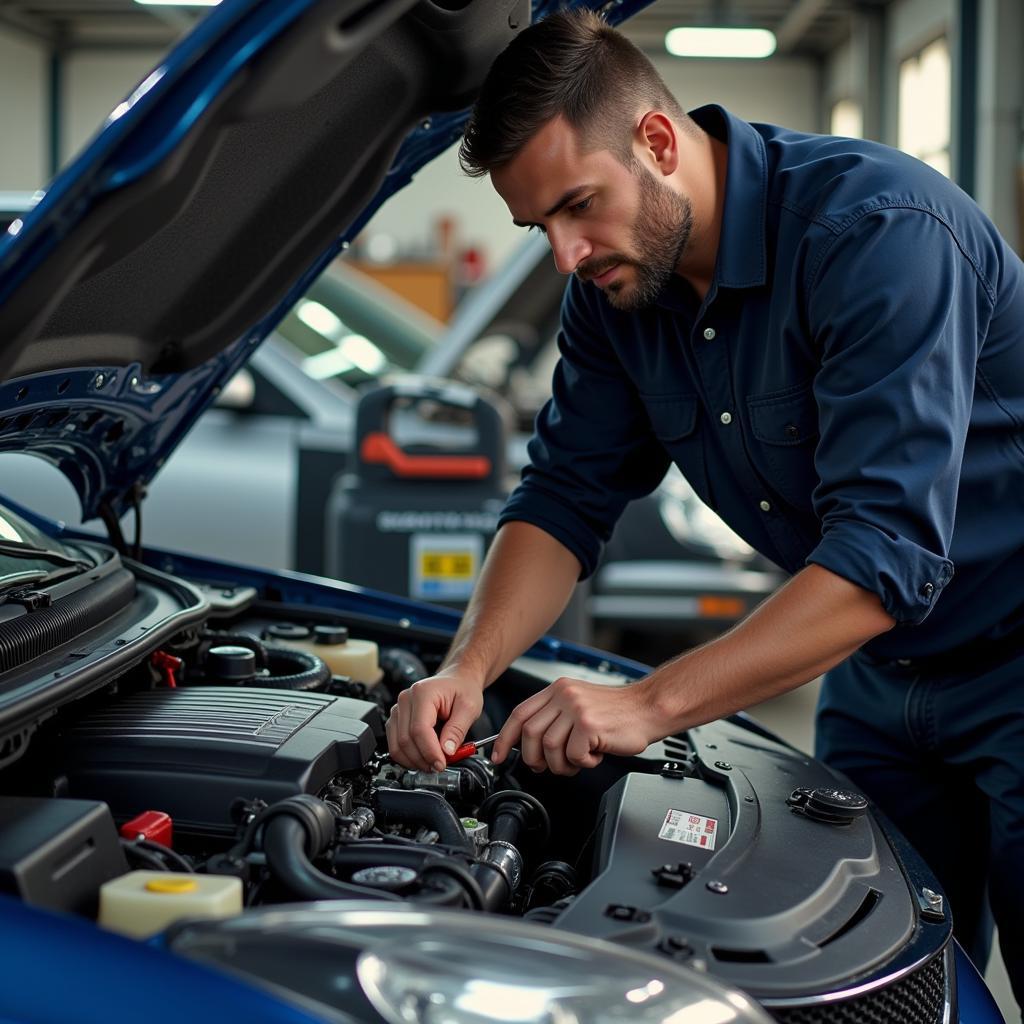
(198, 816)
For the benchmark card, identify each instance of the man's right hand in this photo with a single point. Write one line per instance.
(450, 697)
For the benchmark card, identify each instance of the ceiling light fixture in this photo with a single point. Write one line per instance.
(178, 3)
(720, 42)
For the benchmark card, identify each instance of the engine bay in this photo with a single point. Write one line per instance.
(232, 739)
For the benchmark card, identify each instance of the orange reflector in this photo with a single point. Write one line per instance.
(721, 607)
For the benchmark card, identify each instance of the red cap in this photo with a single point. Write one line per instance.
(155, 826)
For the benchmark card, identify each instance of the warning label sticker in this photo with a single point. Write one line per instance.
(691, 829)
(444, 566)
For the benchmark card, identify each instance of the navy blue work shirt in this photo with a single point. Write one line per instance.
(850, 392)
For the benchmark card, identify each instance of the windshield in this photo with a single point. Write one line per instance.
(27, 554)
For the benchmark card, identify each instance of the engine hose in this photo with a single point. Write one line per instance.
(370, 855)
(251, 643)
(450, 882)
(419, 807)
(285, 842)
(465, 881)
(401, 668)
(512, 816)
(554, 880)
(494, 886)
(293, 670)
(518, 811)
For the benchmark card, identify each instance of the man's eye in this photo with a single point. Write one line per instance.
(583, 204)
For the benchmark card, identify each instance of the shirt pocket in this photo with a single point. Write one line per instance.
(785, 426)
(675, 420)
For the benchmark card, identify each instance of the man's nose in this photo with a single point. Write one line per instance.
(569, 250)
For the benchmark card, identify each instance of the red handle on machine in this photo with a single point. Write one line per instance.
(380, 449)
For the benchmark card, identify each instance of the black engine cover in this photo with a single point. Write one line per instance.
(193, 752)
(716, 867)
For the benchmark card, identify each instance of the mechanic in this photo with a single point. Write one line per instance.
(827, 337)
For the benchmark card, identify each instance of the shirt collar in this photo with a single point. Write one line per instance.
(741, 245)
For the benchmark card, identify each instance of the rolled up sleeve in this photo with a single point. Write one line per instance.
(894, 308)
(593, 449)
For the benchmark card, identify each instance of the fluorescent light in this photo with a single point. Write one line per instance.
(720, 42)
(319, 318)
(352, 351)
(178, 3)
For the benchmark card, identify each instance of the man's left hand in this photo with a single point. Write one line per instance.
(571, 725)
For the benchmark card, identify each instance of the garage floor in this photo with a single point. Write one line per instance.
(792, 717)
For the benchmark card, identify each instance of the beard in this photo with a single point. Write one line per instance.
(660, 235)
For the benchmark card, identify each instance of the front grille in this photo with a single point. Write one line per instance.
(919, 998)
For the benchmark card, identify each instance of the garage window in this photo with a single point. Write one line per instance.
(924, 105)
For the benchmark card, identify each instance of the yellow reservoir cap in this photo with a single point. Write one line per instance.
(142, 903)
(172, 886)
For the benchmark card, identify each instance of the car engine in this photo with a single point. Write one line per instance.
(156, 718)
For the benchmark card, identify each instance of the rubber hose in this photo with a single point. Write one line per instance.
(468, 886)
(510, 821)
(315, 816)
(352, 858)
(401, 668)
(493, 885)
(458, 887)
(143, 856)
(284, 843)
(554, 880)
(419, 807)
(526, 803)
(293, 670)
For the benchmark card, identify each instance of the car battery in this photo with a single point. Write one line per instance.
(420, 509)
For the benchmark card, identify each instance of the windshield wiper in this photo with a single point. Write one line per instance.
(17, 549)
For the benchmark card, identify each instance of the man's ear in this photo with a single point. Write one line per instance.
(658, 139)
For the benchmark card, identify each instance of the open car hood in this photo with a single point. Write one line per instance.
(206, 205)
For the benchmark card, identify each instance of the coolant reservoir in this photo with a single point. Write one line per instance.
(143, 903)
(357, 659)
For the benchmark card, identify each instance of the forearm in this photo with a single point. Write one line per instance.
(526, 582)
(811, 624)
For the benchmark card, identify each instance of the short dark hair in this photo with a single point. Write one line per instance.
(571, 64)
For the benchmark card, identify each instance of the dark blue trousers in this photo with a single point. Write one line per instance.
(939, 747)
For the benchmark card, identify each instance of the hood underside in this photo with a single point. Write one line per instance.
(206, 205)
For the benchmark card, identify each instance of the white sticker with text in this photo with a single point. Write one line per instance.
(691, 829)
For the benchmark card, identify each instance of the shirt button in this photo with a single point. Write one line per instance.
(927, 590)
(766, 506)
(792, 430)
(726, 418)
(709, 334)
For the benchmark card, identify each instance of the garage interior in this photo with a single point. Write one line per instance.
(941, 79)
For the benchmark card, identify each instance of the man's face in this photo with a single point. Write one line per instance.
(617, 226)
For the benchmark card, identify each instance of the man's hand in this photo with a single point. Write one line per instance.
(450, 697)
(571, 725)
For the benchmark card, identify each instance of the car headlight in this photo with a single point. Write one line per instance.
(691, 522)
(437, 967)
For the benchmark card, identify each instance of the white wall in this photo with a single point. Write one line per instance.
(780, 90)
(94, 82)
(840, 81)
(24, 112)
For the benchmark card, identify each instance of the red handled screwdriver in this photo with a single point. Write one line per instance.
(468, 749)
